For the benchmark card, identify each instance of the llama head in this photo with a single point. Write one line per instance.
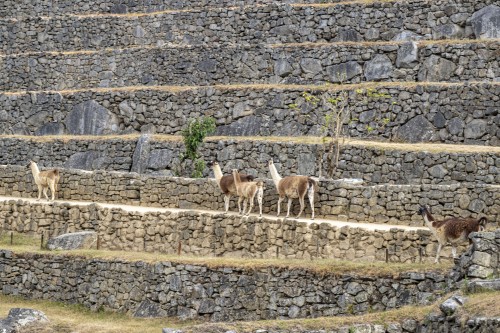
(29, 164)
(212, 164)
(271, 162)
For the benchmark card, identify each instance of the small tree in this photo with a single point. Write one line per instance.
(337, 106)
(193, 136)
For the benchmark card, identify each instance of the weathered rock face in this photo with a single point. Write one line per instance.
(90, 118)
(380, 67)
(73, 241)
(54, 128)
(448, 31)
(90, 160)
(436, 69)
(486, 22)
(344, 72)
(19, 317)
(418, 129)
(407, 55)
(141, 154)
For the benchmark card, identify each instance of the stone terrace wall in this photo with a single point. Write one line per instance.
(275, 23)
(482, 259)
(375, 166)
(304, 64)
(452, 114)
(194, 291)
(16, 8)
(382, 204)
(207, 234)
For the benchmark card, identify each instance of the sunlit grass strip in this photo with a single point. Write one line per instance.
(311, 140)
(303, 45)
(281, 87)
(24, 244)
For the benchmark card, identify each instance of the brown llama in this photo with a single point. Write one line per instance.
(44, 180)
(247, 191)
(293, 187)
(226, 183)
(452, 230)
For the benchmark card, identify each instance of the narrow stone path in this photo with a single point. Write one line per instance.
(146, 209)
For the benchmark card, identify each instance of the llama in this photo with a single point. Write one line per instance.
(226, 183)
(293, 187)
(44, 180)
(452, 230)
(247, 191)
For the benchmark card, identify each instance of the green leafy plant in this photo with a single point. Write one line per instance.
(193, 135)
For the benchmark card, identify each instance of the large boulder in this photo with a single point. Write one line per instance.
(407, 55)
(475, 129)
(407, 36)
(89, 160)
(380, 67)
(418, 129)
(148, 309)
(90, 118)
(310, 65)
(282, 68)
(19, 317)
(436, 69)
(54, 128)
(73, 241)
(486, 22)
(344, 72)
(447, 31)
(141, 154)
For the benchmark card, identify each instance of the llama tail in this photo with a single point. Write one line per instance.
(312, 184)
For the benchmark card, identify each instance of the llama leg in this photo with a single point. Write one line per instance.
(244, 206)
(453, 251)
(39, 191)
(239, 205)
(251, 204)
(289, 205)
(226, 202)
(45, 189)
(259, 200)
(438, 253)
(310, 194)
(53, 190)
(279, 205)
(301, 201)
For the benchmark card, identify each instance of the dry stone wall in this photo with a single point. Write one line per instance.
(21, 8)
(394, 204)
(195, 291)
(304, 64)
(209, 234)
(373, 165)
(275, 23)
(462, 113)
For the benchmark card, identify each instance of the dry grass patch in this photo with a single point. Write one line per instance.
(311, 140)
(24, 244)
(76, 318)
(385, 43)
(483, 304)
(235, 87)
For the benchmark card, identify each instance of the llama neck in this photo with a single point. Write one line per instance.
(274, 174)
(428, 219)
(217, 173)
(35, 170)
(237, 178)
